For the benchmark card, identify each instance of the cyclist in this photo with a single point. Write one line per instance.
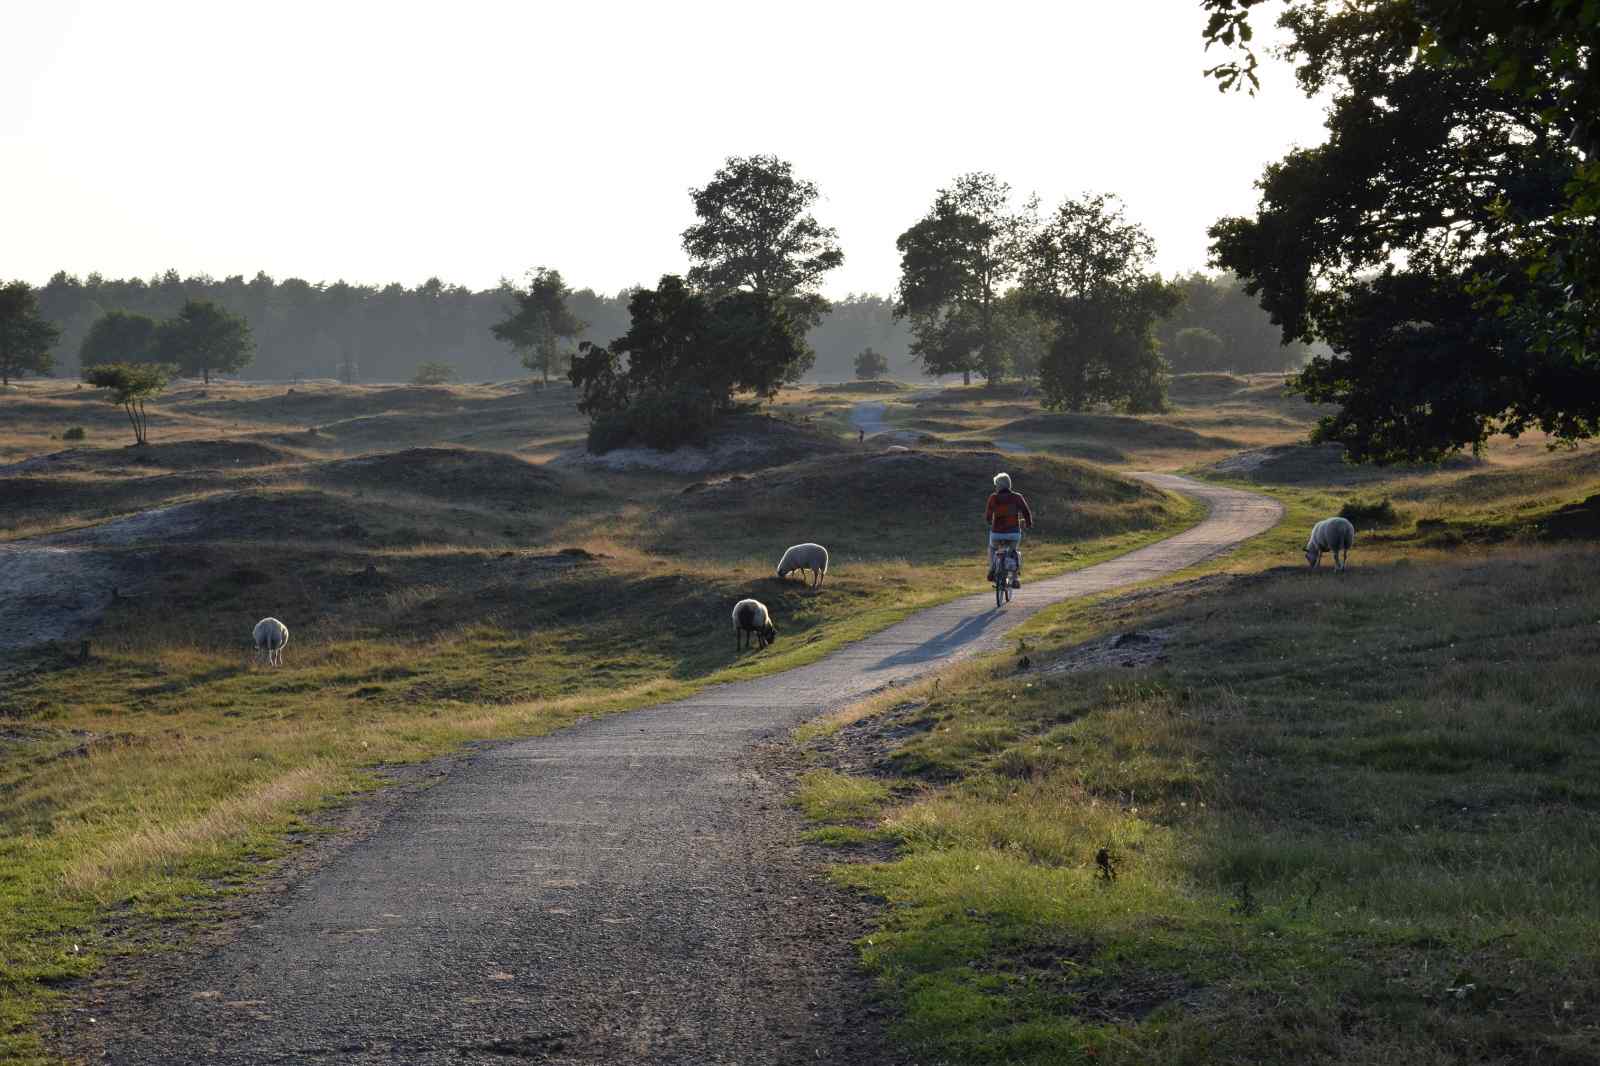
(1006, 515)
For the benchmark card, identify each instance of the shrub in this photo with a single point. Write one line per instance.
(663, 420)
(1369, 513)
(433, 374)
(75, 433)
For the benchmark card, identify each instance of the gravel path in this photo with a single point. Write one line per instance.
(624, 891)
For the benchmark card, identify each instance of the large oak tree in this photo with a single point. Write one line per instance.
(1445, 239)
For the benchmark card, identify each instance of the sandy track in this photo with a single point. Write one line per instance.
(624, 891)
(57, 587)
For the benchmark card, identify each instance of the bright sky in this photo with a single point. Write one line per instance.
(392, 141)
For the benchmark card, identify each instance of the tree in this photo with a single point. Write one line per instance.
(1089, 274)
(203, 337)
(954, 263)
(433, 374)
(1026, 334)
(119, 337)
(1445, 240)
(870, 366)
(538, 319)
(688, 355)
(756, 234)
(25, 337)
(131, 384)
(1196, 348)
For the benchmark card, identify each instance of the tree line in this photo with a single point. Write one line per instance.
(386, 333)
(392, 333)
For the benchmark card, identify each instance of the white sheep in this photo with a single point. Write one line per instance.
(270, 636)
(1334, 535)
(805, 557)
(751, 617)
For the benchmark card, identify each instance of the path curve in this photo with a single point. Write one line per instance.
(614, 892)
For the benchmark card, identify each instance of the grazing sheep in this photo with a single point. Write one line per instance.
(751, 617)
(805, 557)
(1334, 535)
(270, 637)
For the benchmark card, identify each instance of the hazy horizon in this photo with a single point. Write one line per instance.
(377, 144)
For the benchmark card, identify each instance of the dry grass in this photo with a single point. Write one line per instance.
(163, 842)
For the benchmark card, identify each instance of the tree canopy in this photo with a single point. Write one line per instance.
(538, 319)
(203, 337)
(25, 337)
(1088, 272)
(756, 234)
(131, 384)
(119, 337)
(1445, 239)
(683, 360)
(955, 263)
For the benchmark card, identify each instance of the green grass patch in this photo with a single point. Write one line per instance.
(1350, 820)
(826, 796)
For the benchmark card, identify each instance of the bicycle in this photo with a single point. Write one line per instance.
(1006, 564)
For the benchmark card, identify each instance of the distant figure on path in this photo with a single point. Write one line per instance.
(861, 435)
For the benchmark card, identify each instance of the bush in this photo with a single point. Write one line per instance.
(1369, 513)
(75, 433)
(433, 374)
(665, 420)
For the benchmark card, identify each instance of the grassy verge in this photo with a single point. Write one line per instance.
(1349, 820)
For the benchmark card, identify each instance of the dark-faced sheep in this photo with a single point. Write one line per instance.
(270, 636)
(804, 558)
(1334, 535)
(752, 621)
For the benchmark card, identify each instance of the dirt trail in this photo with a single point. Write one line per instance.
(625, 891)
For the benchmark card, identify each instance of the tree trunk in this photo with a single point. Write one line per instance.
(205, 374)
(966, 377)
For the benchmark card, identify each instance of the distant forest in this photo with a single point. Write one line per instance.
(371, 333)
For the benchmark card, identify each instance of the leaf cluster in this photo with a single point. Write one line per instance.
(757, 234)
(130, 385)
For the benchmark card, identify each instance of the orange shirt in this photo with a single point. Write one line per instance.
(1004, 509)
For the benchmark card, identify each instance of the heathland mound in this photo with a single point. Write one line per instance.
(912, 504)
(459, 474)
(1321, 464)
(168, 455)
(746, 442)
